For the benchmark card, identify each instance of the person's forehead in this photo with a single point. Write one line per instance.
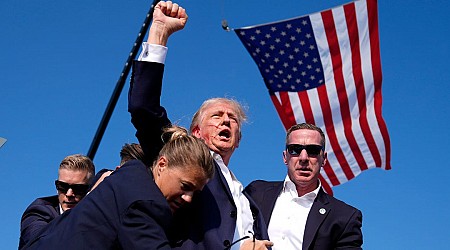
(71, 175)
(221, 107)
(305, 136)
(193, 175)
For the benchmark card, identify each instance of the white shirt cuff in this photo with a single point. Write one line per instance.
(153, 53)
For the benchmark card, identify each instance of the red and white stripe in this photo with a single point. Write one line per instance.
(348, 106)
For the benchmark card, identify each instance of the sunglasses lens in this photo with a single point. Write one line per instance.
(313, 149)
(296, 149)
(61, 186)
(77, 189)
(293, 149)
(80, 189)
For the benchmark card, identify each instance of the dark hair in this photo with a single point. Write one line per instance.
(306, 126)
(131, 151)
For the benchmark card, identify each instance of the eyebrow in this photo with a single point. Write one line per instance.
(190, 184)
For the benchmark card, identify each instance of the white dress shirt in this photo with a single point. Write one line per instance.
(244, 218)
(153, 53)
(288, 220)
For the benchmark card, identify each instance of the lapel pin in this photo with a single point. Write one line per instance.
(322, 211)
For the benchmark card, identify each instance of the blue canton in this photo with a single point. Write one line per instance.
(286, 54)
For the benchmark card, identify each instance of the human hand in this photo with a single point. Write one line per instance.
(251, 244)
(102, 177)
(168, 18)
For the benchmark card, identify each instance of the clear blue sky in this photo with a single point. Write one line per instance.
(60, 61)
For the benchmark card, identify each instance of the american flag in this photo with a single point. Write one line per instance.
(325, 69)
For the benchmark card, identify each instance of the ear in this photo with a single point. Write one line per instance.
(239, 139)
(284, 157)
(161, 164)
(196, 132)
(325, 159)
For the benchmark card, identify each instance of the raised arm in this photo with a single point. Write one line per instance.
(147, 114)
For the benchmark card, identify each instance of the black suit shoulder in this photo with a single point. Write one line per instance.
(257, 189)
(36, 217)
(339, 205)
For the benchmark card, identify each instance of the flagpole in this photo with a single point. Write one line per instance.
(120, 83)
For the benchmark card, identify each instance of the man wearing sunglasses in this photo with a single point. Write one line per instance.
(74, 175)
(299, 214)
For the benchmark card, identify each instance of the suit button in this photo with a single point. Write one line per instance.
(233, 214)
(226, 243)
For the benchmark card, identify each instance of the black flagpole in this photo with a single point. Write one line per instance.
(120, 83)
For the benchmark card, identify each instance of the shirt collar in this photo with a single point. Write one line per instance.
(225, 170)
(289, 187)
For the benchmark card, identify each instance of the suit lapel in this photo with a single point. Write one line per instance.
(269, 197)
(220, 183)
(319, 211)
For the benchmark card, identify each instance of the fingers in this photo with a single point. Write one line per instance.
(171, 9)
(256, 245)
(182, 13)
(168, 17)
(267, 243)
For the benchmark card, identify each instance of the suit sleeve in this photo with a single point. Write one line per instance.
(143, 224)
(34, 220)
(351, 237)
(147, 114)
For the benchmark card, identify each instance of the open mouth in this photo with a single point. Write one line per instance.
(226, 134)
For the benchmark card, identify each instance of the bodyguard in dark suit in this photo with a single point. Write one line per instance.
(299, 214)
(220, 214)
(74, 174)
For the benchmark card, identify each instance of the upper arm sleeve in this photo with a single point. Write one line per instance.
(352, 235)
(143, 226)
(34, 220)
(147, 114)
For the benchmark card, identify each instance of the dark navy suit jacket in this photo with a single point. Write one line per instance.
(37, 216)
(331, 223)
(126, 211)
(209, 222)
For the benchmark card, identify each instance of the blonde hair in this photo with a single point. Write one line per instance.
(182, 150)
(78, 162)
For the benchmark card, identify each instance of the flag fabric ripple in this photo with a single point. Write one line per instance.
(325, 69)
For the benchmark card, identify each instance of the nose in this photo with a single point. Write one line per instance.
(225, 119)
(70, 192)
(303, 155)
(187, 197)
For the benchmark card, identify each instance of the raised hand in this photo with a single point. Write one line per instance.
(168, 18)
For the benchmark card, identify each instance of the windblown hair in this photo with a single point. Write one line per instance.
(131, 151)
(306, 126)
(182, 150)
(238, 108)
(78, 162)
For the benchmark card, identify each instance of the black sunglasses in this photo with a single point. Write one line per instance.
(77, 189)
(296, 149)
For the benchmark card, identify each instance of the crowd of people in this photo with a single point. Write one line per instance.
(175, 189)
